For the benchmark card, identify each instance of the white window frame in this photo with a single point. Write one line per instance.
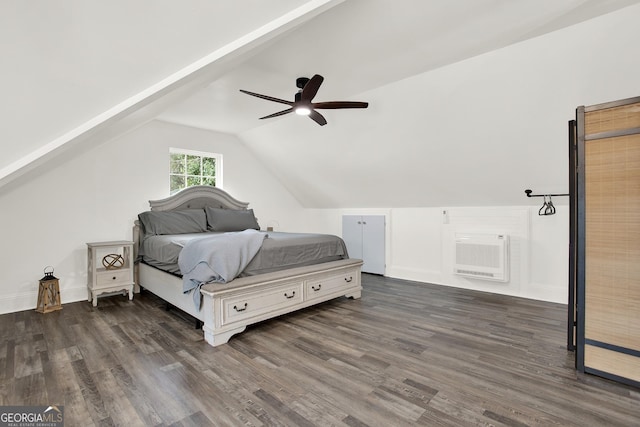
(216, 156)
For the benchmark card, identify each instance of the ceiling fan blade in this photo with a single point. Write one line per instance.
(302, 102)
(311, 88)
(268, 98)
(340, 104)
(279, 113)
(317, 117)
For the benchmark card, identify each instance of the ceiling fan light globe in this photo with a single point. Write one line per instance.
(303, 111)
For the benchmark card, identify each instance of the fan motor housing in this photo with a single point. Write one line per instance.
(301, 82)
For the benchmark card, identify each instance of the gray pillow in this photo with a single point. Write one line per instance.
(174, 222)
(231, 219)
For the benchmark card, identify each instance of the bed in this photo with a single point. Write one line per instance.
(261, 292)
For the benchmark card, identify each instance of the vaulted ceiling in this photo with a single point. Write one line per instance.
(78, 72)
(360, 45)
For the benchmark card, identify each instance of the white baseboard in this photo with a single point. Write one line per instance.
(536, 291)
(547, 293)
(414, 274)
(28, 300)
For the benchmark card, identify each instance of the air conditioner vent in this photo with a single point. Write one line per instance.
(482, 256)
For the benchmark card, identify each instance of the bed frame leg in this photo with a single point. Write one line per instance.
(354, 295)
(216, 338)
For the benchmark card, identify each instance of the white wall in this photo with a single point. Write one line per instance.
(97, 195)
(419, 245)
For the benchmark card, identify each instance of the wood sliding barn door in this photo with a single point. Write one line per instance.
(608, 250)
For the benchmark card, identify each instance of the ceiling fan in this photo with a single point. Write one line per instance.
(303, 105)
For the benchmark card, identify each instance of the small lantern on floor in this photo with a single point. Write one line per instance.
(49, 292)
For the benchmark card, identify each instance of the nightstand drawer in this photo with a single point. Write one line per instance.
(113, 278)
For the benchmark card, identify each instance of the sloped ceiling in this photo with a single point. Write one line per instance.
(75, 59)
(360, 45)
(76, 73)
(437, 133)
(70, 62)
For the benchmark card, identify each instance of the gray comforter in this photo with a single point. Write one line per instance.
(216, 258)
(279, 251)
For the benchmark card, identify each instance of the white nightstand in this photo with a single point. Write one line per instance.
(117, 275)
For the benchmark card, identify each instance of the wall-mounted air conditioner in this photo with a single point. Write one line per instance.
(482, 256)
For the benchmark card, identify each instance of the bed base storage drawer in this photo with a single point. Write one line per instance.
(241, 307)
(331, 285)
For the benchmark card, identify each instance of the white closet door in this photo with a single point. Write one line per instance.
(364, 237)
(373, 244)
(352, 235)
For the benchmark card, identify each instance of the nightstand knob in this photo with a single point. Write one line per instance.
(114, 277)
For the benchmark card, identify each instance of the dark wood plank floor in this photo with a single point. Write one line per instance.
(405, 354)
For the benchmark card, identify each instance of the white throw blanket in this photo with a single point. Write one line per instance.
(217, 258)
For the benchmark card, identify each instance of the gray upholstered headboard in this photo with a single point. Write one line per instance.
(196, 197)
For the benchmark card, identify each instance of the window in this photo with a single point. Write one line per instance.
(188, 168)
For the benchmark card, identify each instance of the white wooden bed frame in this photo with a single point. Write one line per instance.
(228, 308)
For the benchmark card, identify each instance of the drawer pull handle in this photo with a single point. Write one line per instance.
(114, 277)
(293, 294)
(349, 279)
(318, 288)
(235, 307)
